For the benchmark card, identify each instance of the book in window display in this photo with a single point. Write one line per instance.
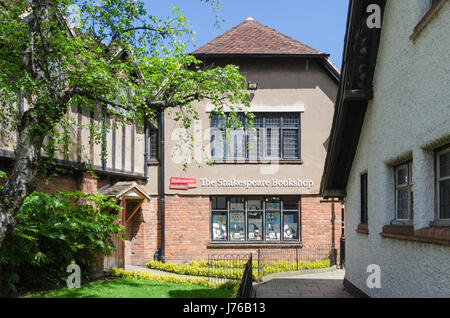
(219, 227)
(237, 225)
(273, 226)
(255, 226)
(290, 227)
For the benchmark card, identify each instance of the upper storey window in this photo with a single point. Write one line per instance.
(273, 136)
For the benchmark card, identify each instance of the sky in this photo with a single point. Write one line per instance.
(319, 24)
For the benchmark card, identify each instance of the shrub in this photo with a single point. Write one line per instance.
(235, 269)
(121, 273)
(53, 231)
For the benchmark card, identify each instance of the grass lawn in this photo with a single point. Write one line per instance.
(132, 288)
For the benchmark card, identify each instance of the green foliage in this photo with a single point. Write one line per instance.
(53, 231)
(118, 272)
(235, 269)
(117, 54)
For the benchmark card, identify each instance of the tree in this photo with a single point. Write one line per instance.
(115, 47)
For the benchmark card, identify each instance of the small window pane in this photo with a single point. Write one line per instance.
(237, 226)
(290, 231)
(402, 204)
(444, 199)
(219, 226)
(219, 203)
(236, 204)
(217, 144)
(402, 175)
(290, 144)
(290, 203)
(444, 165)
(254, 204)
(153, 144)
(255, 226)
(291, 121)
(273, 204)
(273, 222)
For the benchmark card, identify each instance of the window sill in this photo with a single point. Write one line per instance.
(213, 245)
(362, 229)
(152, 163)
(432, 235)
(258, 162)
(426, 19)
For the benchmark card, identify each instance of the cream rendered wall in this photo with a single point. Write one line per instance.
(408, 118)
(281, 86)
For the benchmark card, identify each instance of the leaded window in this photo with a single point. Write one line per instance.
(404, 192)
(443, 184)
(271, 136)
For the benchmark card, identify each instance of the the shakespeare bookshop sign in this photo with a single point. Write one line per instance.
(265, 183)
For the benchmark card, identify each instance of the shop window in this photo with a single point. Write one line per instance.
(270, 136)
(443, 184)
(404, 192)
(271, 219)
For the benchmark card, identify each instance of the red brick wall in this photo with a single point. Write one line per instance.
(188, 227)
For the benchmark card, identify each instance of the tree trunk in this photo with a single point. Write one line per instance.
(22, 180)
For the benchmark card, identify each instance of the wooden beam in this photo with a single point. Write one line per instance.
(134, 211)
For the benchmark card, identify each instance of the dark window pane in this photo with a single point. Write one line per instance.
(237, 226)
(290, 144)
(219, 226)
(217, 121)
(236, 144)
(290, 228)
(364, 199)
(255, 143)
(290, 203)
(153, 153)
(444, 165)
(444, 199)
(255, 226)
(219, 203)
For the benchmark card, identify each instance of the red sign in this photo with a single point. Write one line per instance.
(182, 180)
(182, 183)
(178, 186)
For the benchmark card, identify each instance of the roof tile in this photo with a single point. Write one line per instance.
(252, 37)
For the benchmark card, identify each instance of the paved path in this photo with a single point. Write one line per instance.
(320, 285)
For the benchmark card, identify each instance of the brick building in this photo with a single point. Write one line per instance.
(263, 189)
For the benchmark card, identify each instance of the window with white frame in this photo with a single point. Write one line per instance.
(404, 192)
(443, 184)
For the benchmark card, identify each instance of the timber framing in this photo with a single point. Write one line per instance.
(355, 92)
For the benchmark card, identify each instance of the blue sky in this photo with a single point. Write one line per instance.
(319, 24)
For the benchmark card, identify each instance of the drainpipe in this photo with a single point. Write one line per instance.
(342, 260)
(162, 176)
(146, 128)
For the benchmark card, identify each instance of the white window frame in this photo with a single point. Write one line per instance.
(439, 179)
(409, 186)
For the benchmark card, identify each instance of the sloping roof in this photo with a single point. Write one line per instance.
(252, 37)
(354, 93)
(119, 189)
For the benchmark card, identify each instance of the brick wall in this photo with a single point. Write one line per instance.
(187, 234)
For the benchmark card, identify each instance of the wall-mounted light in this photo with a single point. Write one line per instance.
(253, 86)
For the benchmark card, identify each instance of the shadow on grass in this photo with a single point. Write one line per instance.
(129, 288)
